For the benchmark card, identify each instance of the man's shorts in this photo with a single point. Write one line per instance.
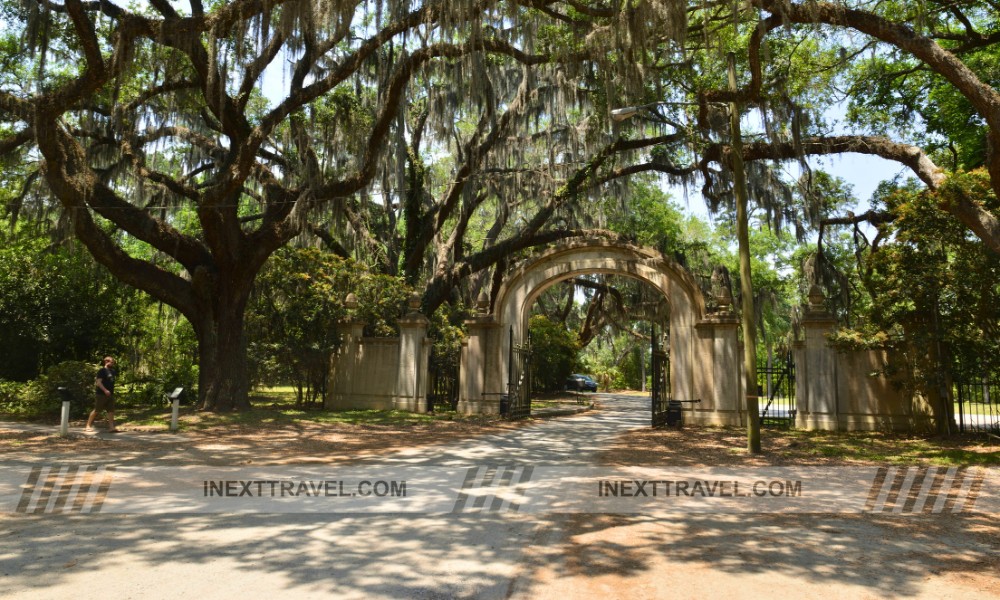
(103, 402)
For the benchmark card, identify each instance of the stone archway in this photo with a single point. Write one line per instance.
(704, 352)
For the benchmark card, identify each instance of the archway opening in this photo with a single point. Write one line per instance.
(702, 347)
(601, 325)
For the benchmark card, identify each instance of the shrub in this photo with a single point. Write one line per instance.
(554, 352)
(11, 395)
(179, 374)
(609, 378)
(149, 390)
(42, 395)
(146, 392)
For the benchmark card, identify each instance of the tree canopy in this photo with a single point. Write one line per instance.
(437, 141)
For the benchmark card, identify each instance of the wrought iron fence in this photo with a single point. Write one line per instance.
(443, 383)
(776, 392)
(977, 404)
(660, 389)
(516, 403)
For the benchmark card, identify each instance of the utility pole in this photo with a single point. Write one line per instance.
(746, 284)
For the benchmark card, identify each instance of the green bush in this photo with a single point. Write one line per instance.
(149, 390)
(609, 378)
(554, 352)
(42, 397)
(179, 374)
(297, 303)
(11, 396)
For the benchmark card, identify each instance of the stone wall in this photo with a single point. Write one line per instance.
(847, 390)
(381, 373)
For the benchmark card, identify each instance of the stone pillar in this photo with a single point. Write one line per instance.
(495, 374)
(344, 364)
(821, 402)
(472, 374)
(728, 369)
(723, 401)
(801, 377)
(411, 386)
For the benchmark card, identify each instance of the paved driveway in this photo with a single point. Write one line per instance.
(492, 554)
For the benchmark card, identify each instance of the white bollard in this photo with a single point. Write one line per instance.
(175, 408)
(64, 424)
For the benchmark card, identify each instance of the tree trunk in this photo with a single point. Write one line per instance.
(746, 282)
(224, 374)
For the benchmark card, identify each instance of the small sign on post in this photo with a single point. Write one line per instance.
(175, 406)
(64, 421)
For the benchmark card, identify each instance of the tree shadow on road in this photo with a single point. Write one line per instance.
(433, 556)
(886, 555)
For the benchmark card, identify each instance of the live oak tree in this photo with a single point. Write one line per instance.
(437, 141)
(152, 124)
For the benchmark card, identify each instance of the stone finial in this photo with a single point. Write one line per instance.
(816, 297)
(482, 303)
(413, 302)
(724, 299)
(413, 317)
(351, 301)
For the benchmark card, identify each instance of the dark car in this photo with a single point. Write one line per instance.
(581, 383)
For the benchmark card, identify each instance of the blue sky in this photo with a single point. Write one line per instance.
(863, 172)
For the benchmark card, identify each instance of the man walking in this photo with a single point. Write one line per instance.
(105, 394)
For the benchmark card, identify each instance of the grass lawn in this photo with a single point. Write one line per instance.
(895, 448)
(274, 410)
(274, 407)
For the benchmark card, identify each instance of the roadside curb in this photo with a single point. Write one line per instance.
(560, 411)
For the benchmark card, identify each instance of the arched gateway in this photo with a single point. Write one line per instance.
(704, 353)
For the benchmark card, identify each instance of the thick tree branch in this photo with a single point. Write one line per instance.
(967, 210)
(22, 137)
(911, 156)
(984, 99)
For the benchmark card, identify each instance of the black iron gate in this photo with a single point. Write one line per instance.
(978, 404)
(660, 388)
(516, 403)
(443, 381)
(776, 390)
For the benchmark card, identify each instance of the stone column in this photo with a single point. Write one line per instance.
(728, 369)
(344, 363)
(801, 377)
(411, 384)
(821, 405)
(472, 373)
(723, 391)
